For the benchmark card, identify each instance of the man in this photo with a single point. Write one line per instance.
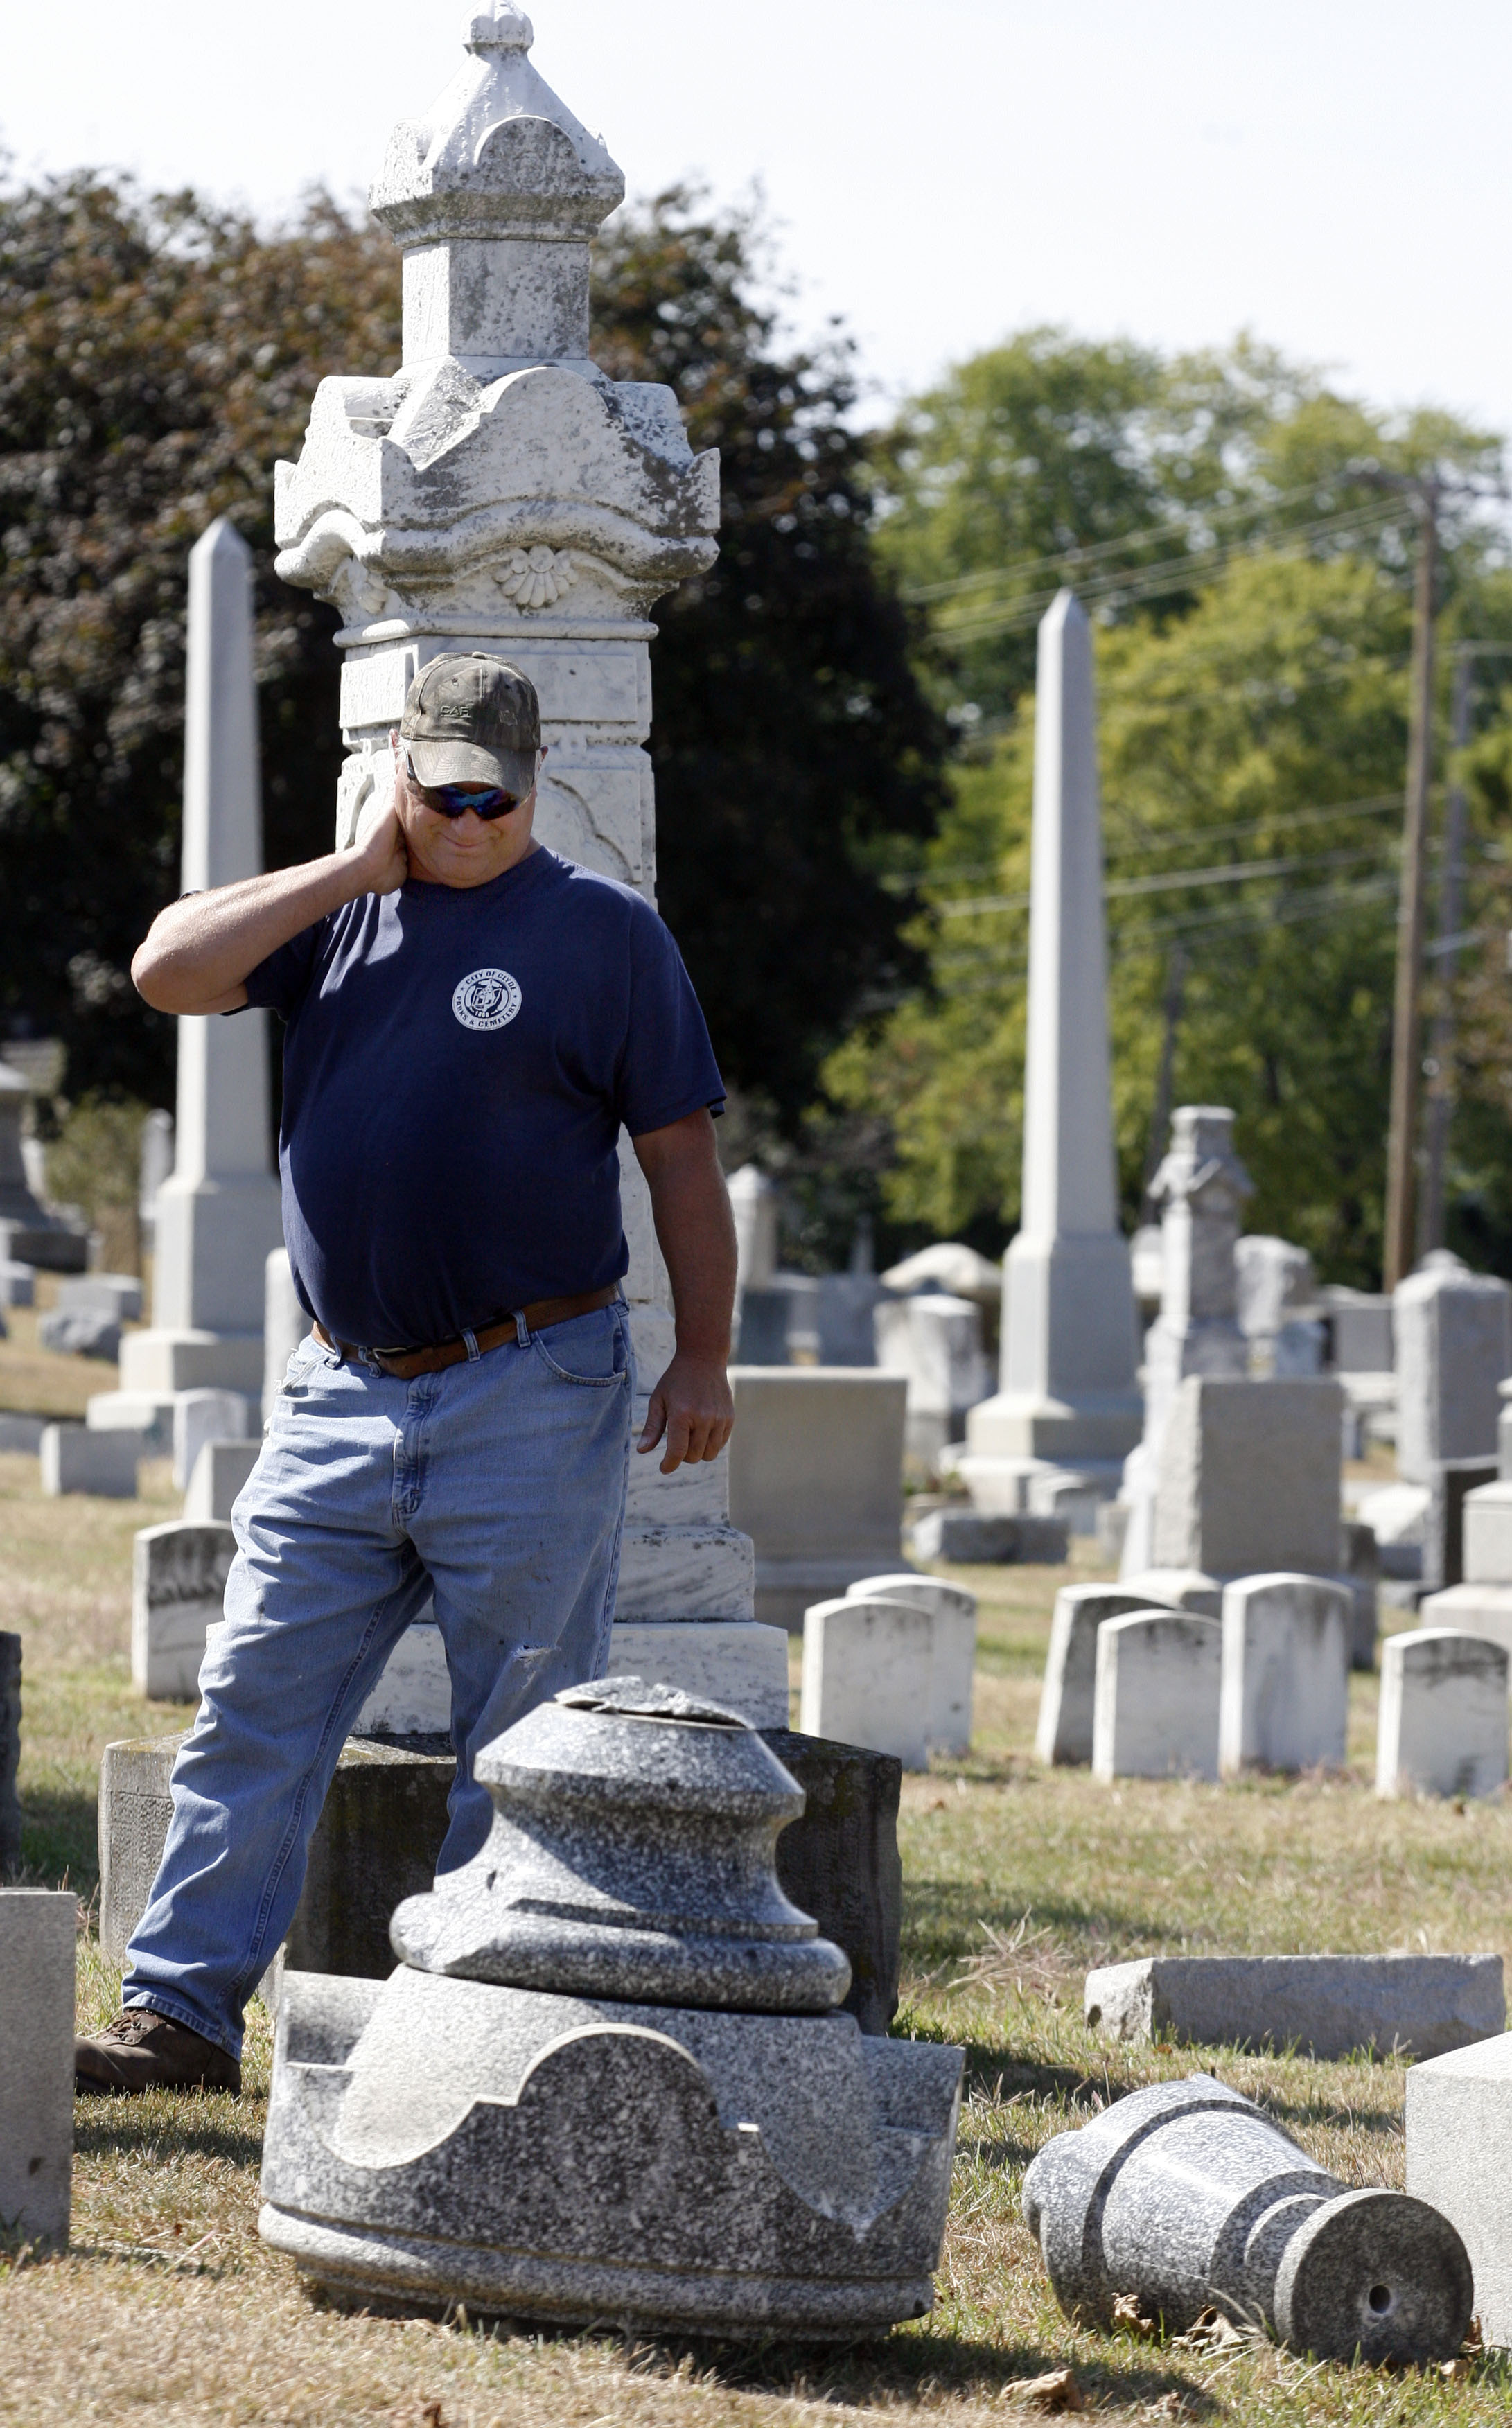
(471, 1021)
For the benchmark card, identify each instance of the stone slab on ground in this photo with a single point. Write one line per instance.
(379, 1835)
(177, 1591)
(219, 1471)
(1459, 2158)
(1285, 1701)
(1069, 1690)
(971, 1539)
(76, 1459)
(953, 1608)
(1442, 1728)
(1329, 2006)
(867, 1674)
(38, 1933)
(9, 1756)
(1154, 1714)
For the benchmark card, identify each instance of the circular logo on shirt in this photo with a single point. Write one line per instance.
(489, 999)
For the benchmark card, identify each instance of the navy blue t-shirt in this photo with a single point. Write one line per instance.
(457, 1066)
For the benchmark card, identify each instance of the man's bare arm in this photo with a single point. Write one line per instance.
(691, 1405)
(197, 953)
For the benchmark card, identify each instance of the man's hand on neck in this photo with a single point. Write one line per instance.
(462, 851)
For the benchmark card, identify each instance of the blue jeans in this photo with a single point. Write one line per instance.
(498, 1487)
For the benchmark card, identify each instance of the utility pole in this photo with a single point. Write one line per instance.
(1439, 1065)
(1405, 1045)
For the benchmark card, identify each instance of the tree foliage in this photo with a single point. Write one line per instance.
(160, 355)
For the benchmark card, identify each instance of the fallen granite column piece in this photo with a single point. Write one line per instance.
(1188, 2196)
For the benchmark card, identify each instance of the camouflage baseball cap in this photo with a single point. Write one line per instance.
(472, 720)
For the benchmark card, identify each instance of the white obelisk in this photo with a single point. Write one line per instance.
(218, 1214)
(1068, 1395)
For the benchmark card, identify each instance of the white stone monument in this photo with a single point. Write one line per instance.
(953, 1658)
(38, 1940)
(1442, 1724)
(934, 1340)
(816, 1479)
(1200, 1187)
(498, 493)
(1454, 1346)
(1155, 1709)
(1068, 1396)
(1285, 1694)
(218, 1215)
(868, 1677)
(1067, 1694)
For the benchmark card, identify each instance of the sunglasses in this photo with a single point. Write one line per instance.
(455, 800)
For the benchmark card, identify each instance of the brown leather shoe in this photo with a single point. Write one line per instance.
(145, 2051)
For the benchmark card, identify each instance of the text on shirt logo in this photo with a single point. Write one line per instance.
(487, 999)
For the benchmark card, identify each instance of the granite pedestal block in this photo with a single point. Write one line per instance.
(1460, 2157)
(1329, 2006)
(868, 1677)
(974, 1540)
(637, 2103)
(75, 1459)
(1285, 1699)
(953, 1659)
(9, 1753)
(177, 1592)
(1188, 2198)
(38, 1928)
(1443, 1714)
(1069, 1692)
(1155, 1710)
(219, 1471)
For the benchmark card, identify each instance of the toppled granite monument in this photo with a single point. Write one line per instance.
(607, 2082)
(1187, 2196)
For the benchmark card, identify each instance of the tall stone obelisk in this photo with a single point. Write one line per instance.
(218, 1214)
(498, 492)
(1067, 1396)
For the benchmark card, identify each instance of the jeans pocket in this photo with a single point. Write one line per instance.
(588, 1349)
(300, 1368)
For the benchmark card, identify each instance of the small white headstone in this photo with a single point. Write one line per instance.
(868, 1677)
(1454, 1345)
(1069, 1692)
(37, 1934)
(953, 1611)
(1488, 1539)
(75, 1459)
(219, 1471)
(1155, 1712)
(1285, 1701)
(177, 1592)
(1443, 1715)
(201, 1416)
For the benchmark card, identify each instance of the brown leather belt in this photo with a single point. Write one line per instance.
(405, 1363)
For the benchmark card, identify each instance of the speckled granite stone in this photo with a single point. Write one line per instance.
(1188, 2195)
(632, 1855)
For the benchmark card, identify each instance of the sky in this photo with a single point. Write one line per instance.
(1329, 175)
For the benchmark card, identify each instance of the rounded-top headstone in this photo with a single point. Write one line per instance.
(632, 1856)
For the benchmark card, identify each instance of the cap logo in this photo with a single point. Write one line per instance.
(487, 999)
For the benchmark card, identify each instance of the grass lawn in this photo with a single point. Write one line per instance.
(167, 2307)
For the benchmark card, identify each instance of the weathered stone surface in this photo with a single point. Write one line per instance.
(935, 1342)
(838, 1862)
(1272, 1281)
(217, 1215)
(756, 1206)
(1064, 1732)
(815, 1480)
(205, 1416)
(1443, 1714)
(177, 1591)
(736, 1661)
(1069, 1333)
(1443, 1531)
(1485, 1534)
(800, 2185)
(1359, 1328)
(868, 1675)
(147, 1414)
(80, 1331)
(952, 1665)
(75, 1459)
(37, 1931)
(115, 1295)
(1471, 1610)
(1249, 1478)
(9, 1756)
(968, 1537)
(1285, 1697)
(798, 2182)
(221, 1469)
(1454, 1346)
(1154, 1714)
(1329, 2006)
(1459, 2158)
(413, 1698)
(1186, 2195)
(1178, 1589)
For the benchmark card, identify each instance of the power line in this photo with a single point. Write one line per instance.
(1172, 880)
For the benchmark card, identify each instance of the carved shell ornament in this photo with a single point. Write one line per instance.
(535, 577)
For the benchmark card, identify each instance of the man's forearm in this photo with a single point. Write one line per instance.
(694, 1225)
(201, 949)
